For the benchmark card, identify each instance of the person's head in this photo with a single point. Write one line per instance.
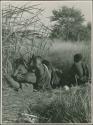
(77, 57)
(17, 62)
(46, 62)
(19, 69)
(37, 61)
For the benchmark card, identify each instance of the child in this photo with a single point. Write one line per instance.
(79, 73)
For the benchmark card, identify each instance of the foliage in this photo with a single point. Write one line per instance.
(69, 25)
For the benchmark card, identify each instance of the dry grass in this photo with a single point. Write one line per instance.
(62, 106)
(58, 105)
(61, 54)
(51, 106)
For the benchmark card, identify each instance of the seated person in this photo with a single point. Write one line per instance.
(79, 73)
(20, 76)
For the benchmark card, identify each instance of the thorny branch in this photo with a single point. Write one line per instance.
(23, 28)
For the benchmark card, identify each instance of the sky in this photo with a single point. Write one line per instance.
(48, 6)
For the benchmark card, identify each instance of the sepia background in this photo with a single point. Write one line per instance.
(48, 36)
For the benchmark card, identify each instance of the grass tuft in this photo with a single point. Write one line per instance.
(62, 106)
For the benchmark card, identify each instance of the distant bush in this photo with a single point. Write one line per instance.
(69, 25)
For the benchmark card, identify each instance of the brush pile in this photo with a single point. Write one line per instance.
(23, 34)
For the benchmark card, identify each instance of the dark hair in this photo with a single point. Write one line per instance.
(19, 61)
(46, 62)
(35, 58)
(77, 57)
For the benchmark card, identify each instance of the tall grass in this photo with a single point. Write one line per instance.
(62, 106)
(55, 106)
(62, 52)
(73, 106)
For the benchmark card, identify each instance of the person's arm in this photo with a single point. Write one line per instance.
(87, 73)
(71, 76)
(12, 83)
(30, 78)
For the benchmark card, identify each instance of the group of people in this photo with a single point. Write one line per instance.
(42, 75)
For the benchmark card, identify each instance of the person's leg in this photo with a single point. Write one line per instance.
(35, 86)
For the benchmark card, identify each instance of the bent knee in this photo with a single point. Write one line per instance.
(12, 83)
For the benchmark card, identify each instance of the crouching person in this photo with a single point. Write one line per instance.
(21, 77)
(43, 75)
(79, 73)
(56, 75)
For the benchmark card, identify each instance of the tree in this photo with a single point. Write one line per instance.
(88, 30)
(68, 23)
(84, 32)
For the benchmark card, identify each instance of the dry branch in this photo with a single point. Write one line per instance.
(23, 30)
